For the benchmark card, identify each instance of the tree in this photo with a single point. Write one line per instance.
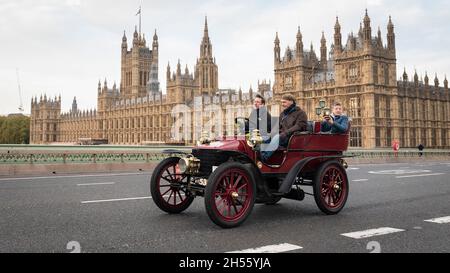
(14, 129)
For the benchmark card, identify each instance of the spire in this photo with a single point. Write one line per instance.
(367, 29)
(323, 51)
(436, 81)
(299, 45)
(416, 77)
(205, 31)
(323, 40)
(178, 68)
(379, 39)
(299, 34)
(99, 87)
(390, 24)
(337, 26)
(206, 47)
(366, 19)
(155, 40)
(427, 80)
(74, 105)
(391, 35)
(168, 71)
(124, 38)
(277, 49)
(405, 75)
(337, 36)
(446, 82)
(186, 70)
(135, 36)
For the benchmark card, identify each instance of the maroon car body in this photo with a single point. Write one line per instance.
(229, 174)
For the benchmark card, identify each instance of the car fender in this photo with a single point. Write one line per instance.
(289, 180)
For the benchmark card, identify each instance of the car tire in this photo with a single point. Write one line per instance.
(331, 187)
(171, 186)
(230, 195)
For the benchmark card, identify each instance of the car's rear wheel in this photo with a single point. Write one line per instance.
(331, 187)
(230, 195)
(169, 187)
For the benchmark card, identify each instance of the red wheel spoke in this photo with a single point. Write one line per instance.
(219, 203)
(241, 187)
(168, 199)
(170, 175)
(181, 198)
(329, 198)
(231, 179)
(237, 181)
(166, 192)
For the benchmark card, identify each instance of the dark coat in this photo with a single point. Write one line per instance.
(291, 121)
(262, 120)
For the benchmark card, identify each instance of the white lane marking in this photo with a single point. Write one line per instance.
(360, 180)
(372, 232)
(71, 176)
(399, 172)
(116, 200)
(270, 249)
(96, 184)
(442, 220)
(421, 175)
(125, 199)
(353, 169)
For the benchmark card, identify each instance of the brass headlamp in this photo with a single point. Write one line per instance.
(255, 139)
(189, 165)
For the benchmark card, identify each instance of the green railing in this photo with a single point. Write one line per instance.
(25, 154)
(70, 158)
(374, 154)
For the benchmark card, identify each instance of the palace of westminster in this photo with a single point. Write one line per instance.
(361, 73)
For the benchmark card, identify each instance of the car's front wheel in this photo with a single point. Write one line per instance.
(230, 195)
(169, 187)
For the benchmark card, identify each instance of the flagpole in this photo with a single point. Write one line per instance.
(140, 14)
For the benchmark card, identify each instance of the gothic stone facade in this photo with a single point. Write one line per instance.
(361, 74)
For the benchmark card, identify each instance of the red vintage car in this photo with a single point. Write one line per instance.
(230, 176)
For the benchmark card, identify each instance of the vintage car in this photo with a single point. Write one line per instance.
(230, 176)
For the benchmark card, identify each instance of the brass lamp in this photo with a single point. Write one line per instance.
(255, 139)
(204, 139)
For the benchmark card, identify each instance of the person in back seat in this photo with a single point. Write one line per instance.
(292, 120)
(336, 123)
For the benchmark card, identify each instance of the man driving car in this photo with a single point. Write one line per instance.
(292, 120)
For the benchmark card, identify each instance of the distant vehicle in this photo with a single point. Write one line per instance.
(230, 176)
(92, 141)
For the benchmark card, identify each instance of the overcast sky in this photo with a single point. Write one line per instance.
(65, 46)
